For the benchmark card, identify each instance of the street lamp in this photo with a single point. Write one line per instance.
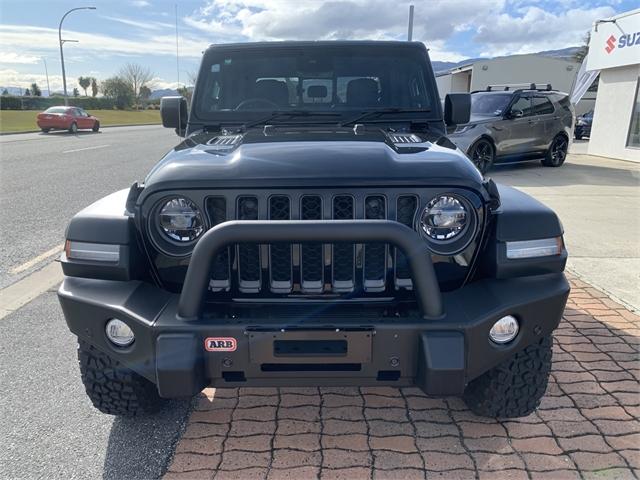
(64, 77)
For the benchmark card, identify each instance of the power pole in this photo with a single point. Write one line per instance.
(410, 33)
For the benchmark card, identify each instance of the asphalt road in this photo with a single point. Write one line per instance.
(46, 178)
(49, 427)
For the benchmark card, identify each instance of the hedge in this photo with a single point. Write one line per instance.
(10, 102)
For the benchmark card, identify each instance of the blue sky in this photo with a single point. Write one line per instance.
(143, 31)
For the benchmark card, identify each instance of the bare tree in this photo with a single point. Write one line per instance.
(136, 76)
(583, 49)
(192, 76)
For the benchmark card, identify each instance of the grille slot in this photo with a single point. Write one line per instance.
(405, 213)
(249, 271)
(343, 253)
(281, 280)
(221, 274)
(311, 264)
(375, 254)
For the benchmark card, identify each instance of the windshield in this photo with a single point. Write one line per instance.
(315, 80)
(493, 104)
(56, 110)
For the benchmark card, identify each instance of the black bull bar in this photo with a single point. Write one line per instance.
(425, 283)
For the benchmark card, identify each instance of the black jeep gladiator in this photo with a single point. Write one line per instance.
(315, 227)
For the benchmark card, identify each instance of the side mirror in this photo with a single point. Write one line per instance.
(173, 111)
(515, 113)
(457, 108)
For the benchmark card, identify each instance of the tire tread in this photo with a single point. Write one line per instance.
(515, 387)
(113, 388)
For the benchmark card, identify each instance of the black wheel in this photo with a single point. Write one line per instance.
(73, 128)
(557, 153)
(96, 126)
(515, 387)
(45, 130)
(482, 155)
(113, 388)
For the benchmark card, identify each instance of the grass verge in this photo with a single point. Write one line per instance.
(25, 120)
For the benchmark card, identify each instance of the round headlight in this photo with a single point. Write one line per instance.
(444, 218)
(180, 220)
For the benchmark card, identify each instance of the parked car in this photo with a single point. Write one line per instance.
(516, 124)
(583, 125)
(315, 227)
(67, 118)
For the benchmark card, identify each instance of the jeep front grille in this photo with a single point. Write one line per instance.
(313, 268)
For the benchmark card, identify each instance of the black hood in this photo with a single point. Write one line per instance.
(311, 157)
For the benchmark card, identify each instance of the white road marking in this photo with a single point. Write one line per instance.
(36, 260)
(86, 148)
(20, 293)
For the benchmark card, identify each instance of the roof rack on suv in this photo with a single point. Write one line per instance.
(520, 86)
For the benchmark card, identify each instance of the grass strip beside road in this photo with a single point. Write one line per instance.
(25, 120)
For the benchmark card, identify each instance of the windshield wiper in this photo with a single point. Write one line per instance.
(379, 112)
(288, 113)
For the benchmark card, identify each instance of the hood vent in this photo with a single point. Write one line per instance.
(225, 141)
(404, 138)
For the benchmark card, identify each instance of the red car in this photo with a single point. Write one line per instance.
(67, 118)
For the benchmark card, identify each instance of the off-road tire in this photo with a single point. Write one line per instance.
(73, 128)
(557, 152)
(515, 387)
(113, 388)
(96, 127)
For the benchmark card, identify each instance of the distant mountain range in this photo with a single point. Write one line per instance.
(562, 54)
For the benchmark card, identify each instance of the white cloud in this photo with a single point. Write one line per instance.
(535, 29)
(140, 3)
(145, 25)
(13, 78)
(336, 19)
(12, 57)
(19, 38)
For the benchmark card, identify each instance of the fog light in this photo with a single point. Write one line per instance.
(119, 333)
(504, 330)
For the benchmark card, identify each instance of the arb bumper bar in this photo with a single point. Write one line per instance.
(182, 349)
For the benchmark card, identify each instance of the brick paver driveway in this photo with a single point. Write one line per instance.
(587, 425)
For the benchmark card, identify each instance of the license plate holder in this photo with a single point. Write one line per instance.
(310, 346)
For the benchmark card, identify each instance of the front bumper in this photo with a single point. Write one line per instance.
(440, 355)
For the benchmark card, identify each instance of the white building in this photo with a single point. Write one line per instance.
(515, 69)
(614, 49)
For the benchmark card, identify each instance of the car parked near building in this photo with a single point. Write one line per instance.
(315, 227)
(67, 118)
(514, 123)
(583, 125)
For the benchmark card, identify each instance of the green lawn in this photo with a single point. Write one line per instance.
(25, 120)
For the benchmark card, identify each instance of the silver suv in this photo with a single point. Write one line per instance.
(515, 124)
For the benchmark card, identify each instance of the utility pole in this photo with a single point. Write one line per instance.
(61, 41)
(410, 33)
(46, 72)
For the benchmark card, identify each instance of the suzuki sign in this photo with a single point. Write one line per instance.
(615, 42)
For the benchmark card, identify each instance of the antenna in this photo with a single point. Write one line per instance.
(178, 73)
(410, 32)
(46, 72)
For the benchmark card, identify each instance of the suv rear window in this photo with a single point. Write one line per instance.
(541, 105)
(318, 79)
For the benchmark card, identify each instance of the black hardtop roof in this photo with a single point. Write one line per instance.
(318, 44)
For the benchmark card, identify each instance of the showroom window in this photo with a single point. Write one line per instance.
(633, 140)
